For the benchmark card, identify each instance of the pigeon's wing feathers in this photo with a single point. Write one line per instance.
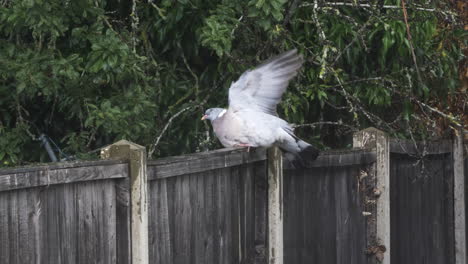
(261, 89)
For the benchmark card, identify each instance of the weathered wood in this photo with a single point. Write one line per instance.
(337, 158)
(275, 206)
(69, 223)
(459, 198)
(261, 217)
(20, 178)
(215, 208)
(422, 209)
(123, 227)
(58, 165)
(323, 216)
(136, 156)
(409, 147)
(373, 138)
(205, 217)
(204, 161)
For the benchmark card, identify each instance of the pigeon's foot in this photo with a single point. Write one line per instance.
(243, 145)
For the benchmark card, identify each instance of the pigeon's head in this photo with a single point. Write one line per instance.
(213, 113)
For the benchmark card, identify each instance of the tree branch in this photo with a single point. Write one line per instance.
(361, 5)
(410, 40)
(315, 124)
(156, 142)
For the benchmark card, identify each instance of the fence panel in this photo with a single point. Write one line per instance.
(212, 207)
(202, 208)
(422, 210)
(323, 210)
(59, 214)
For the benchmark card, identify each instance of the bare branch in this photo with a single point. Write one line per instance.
(362, 5)
(135, 21)
(451, 118)
(410, 40)
(156, 142)
(358, 35)
(315, 124)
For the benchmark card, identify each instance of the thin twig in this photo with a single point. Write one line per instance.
(370, 6)
(153, 147)
(135, 21)
(410, 40)
(432, 109)
(159, 10)
(315, 124)
(423, 106)
(358, 35)
(317, 22)
(193, 75)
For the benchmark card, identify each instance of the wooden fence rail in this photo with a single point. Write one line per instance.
(384, 201)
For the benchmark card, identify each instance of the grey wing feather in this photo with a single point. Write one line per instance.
(261, 89)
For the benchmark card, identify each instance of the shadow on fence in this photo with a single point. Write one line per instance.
(386, 201)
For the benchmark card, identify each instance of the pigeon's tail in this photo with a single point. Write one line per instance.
(308, 151)
(298, 151)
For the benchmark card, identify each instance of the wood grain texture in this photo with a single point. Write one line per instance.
(205, 217)
(12, 179)
(213, 208)
(459, 205)
(337, 158)
(404, 146)
(422, 219)
(323, 216)
(204, 161)
(138, 199)
(70, 223)
(275, 206)
(378, 140)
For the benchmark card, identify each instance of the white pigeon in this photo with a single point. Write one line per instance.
(251, 119)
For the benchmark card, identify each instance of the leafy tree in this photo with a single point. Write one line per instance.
(87, 73)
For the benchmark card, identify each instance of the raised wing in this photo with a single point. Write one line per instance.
(261, 89)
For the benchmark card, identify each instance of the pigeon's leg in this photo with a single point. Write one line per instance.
(244, 145)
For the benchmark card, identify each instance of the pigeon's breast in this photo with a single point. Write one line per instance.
(229, 129)
(246, 127)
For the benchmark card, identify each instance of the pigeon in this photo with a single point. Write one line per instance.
(251, 119)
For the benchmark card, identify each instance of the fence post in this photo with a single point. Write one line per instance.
(379, 244)
(138, 204)
(459, 198)
(275, 206)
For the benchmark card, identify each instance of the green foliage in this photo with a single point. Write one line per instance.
(88, 73)
(218, 31)
(266, 12)
(12, 144)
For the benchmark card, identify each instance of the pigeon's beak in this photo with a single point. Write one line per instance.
(204, 117)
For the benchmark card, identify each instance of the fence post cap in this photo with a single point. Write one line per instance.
(126, 142)
(368, 137)
(371, 130)
(119, 148)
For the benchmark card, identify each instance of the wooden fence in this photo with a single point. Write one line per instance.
(385, 201)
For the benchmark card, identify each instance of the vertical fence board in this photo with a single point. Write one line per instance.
(136, 157)
(260, 215)
(323, 216)
(380, 246)
(122, 225)
(209, 217)
(275, 206)
(5, 226)
(459, 198)
(465, 161)
(234, 211)
(422, 209)
(71, 223)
